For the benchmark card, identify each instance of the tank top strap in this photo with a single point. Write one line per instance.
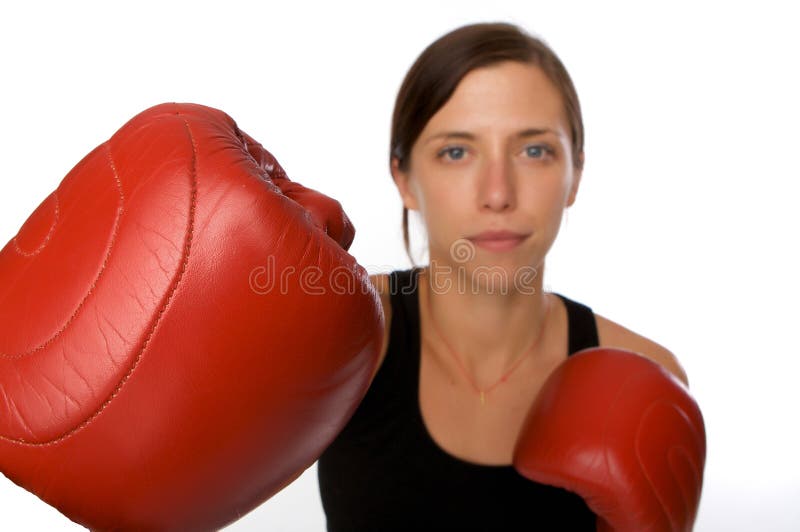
(581, 324)
(399, 368)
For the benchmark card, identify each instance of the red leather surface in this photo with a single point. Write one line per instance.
(622, 432)
(182, 331)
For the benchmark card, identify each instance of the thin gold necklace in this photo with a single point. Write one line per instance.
(504, 378)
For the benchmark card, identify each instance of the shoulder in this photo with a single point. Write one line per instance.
(381, 283)
(612, 334)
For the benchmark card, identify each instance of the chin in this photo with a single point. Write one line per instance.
(499, 277)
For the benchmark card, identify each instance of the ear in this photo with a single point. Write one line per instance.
(401, 180)
(576, 183)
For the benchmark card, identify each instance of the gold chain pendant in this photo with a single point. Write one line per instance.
(483, 398)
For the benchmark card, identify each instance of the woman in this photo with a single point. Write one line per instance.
(487, 146)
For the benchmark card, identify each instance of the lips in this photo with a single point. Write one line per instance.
(497, 235)
(498, 241)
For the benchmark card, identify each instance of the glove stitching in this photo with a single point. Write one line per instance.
(49, 233)
(156, 321)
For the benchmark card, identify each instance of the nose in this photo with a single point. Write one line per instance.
(497, 187)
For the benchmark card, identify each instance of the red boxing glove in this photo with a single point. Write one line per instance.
(619, 430)
(182, 331)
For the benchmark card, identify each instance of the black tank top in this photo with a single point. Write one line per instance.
(384, 472)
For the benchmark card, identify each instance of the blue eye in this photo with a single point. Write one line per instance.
(538, 151)
(455, 152)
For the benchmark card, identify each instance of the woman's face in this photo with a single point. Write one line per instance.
(496, 156)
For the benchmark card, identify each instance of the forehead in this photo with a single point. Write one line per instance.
(505, 96)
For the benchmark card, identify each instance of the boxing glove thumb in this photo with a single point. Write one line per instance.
(325, 212)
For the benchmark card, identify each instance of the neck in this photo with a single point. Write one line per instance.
(488, 328)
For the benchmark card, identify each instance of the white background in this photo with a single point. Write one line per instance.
(685, 225)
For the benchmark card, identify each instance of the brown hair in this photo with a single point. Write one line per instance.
(436, 73)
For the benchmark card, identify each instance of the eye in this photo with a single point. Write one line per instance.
(539, 151)
(456, 153)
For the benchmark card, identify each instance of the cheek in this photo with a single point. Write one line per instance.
(444, 212)
(436, 194)
(433, 210)
(547, 192)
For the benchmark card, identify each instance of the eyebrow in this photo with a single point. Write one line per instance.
(530, 132)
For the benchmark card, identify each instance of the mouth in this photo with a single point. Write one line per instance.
(498, 240)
